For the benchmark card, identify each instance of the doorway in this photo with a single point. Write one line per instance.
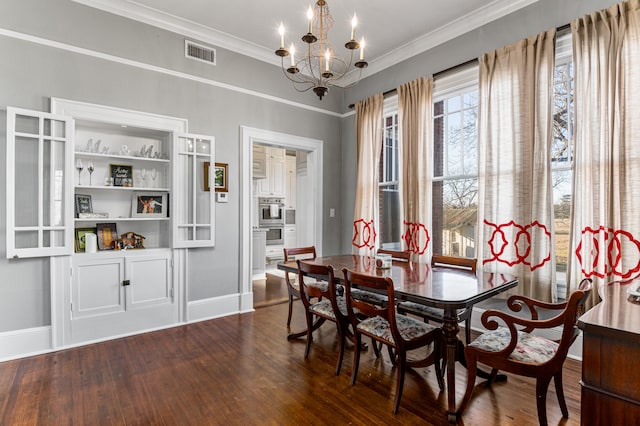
(309, 204)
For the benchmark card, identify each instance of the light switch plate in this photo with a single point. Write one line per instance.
(222, 197)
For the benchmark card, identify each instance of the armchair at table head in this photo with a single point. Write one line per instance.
(521, 352)
(292, 286)
(383, 324)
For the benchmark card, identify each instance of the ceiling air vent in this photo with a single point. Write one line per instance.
(199, 52)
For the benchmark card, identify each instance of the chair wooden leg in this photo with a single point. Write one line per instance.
(309, 333)
(356, 358)
(376, 347)
(342, 336)
(557, 378)
(438, 349)
(392, 356)
(467, 328)
(472, 365)
(492, 376)
(290, 310)
(402, 366)
(542, 384)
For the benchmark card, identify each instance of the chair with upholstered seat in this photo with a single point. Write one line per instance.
(383, 324)
(379, 299)
(521, 352)
(322, 302)
(428, 313)
(292, 286)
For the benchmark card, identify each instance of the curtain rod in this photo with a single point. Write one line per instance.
(464, 64)
(439, 73)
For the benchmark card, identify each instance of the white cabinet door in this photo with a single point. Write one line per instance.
(276, 176)
(259, 251)
(290, 182)
(97, 287)
(193, 206)
(290, 239)
(39, 199)
(149, 281)
(118, 293)
(259, 162)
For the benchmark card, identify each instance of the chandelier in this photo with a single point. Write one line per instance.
(321, 67)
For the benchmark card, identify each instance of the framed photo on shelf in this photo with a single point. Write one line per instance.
(107, 235)
(122, 175)
(80, 242)
(149, 204)
(83, 204)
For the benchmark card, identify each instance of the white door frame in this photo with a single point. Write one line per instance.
(249, 136)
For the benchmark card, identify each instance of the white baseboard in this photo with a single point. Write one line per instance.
(26, 342)
(575, 351)
(216, 307)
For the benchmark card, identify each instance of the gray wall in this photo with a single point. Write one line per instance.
(534, 19)
(31, 73)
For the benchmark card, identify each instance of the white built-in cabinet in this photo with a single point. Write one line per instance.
(274, 184)
(56, 162)
(290, 182)
(259, 161)
(259, 251)
(290, 236)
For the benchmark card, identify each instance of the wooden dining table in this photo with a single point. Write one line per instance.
(441, 287)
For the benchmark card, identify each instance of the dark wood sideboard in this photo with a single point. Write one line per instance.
(611, 359)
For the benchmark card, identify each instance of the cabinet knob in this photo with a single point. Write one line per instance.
(126, 282)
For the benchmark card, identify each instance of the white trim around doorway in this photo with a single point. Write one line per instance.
(313, 147)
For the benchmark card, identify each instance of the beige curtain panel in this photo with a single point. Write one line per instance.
(605, 240)
(369, 140)
(416, 134)
(515, 211)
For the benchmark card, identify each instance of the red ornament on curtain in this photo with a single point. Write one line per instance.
(611, 243)
(499, 241)
(364, 234)
(416, 237)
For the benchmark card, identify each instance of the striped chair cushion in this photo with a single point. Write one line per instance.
(530, 349)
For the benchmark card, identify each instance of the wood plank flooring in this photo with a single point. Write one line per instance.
(241, 370)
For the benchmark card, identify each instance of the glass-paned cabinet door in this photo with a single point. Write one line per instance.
(193, 189)
(39, 192)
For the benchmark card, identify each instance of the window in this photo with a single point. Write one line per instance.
(455, 174)
(389, 195)
(562, 157)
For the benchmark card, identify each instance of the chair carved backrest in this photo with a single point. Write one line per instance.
(459, 262)
(404, 256)
(295, 254)
(374, 284)
(309, 271)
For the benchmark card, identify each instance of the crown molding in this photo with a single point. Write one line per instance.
(130, 9)
(141, 13)
(488, 13)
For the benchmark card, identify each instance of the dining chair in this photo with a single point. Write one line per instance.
(383, 324)
(292, 286)
(428, 313)
(520, 351)
(324, 303)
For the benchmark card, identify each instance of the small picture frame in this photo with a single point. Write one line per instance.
(83, 204)
(220, 177)
(122, 175)
(107, 235)
(80, 241)
(149, 204)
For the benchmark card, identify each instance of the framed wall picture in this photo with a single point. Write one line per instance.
(83, 204)
(79, 240)
(107, 235)
(122, 175)
(220, 177)
(149, 204)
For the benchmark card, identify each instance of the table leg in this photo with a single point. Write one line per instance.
(303, 333)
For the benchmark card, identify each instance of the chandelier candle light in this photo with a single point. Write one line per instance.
(321, 67)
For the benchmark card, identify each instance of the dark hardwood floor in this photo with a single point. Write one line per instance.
(241, 370)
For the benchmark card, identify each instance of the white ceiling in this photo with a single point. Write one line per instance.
(394, 30)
